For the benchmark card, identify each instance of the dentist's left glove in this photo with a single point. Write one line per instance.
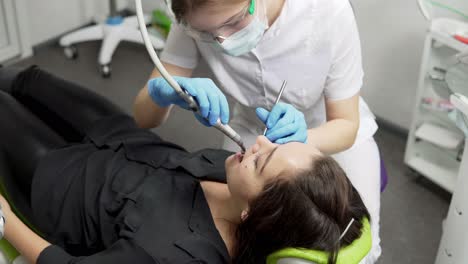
(212, 102)
(285, 123)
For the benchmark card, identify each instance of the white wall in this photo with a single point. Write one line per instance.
(392, 36)
(3, 28)
(51, 18)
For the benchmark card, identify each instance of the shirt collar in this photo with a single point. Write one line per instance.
(204, 233)
(201, 221)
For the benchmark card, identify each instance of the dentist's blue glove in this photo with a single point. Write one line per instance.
(212, 102)
(285, 123)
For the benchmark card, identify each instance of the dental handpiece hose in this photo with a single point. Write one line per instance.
(225, 129)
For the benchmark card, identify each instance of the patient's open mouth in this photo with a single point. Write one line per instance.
(239, 156)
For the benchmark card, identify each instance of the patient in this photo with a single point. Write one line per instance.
(102, 190)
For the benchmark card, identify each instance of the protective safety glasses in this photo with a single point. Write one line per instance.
(236, 23)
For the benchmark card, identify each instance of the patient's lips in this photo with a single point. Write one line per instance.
(239, 156)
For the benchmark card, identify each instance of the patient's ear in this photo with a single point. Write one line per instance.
(244, 214)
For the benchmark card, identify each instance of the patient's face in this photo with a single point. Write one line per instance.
(263, 162)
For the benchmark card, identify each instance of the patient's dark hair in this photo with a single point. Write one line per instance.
(310, 210)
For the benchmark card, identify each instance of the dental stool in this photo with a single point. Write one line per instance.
(112, 32)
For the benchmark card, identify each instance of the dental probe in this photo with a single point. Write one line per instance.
(225, 129)
(277, 100)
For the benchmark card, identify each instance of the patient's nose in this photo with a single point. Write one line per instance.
(264, 142)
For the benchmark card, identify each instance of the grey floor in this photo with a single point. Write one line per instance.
(412, 207)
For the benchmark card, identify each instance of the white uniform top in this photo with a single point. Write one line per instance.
(313, 44)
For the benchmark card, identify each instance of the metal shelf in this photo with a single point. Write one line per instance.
(443, 29)
(439, 136)
(435, 143)
(434, 164)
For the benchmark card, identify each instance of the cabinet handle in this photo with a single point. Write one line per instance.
(448, 253)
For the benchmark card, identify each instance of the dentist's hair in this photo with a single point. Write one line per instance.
(181, 8)
(310, 210)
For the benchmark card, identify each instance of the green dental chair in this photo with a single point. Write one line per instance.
(351, 254)
(17, 203)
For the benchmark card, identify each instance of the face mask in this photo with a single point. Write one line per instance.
(246, 39)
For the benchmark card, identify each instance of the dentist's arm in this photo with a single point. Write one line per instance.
(146, 113)
(340, 131)
(155, 100)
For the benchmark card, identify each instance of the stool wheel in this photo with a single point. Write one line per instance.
(105, 70)
(71, 52)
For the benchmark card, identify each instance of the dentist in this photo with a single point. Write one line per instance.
(251, 46)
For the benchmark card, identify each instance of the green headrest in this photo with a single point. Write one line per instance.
(351, 254)
(8, 250)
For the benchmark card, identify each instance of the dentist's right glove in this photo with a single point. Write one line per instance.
(212, 102)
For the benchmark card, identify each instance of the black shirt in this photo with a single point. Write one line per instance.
(123, 195)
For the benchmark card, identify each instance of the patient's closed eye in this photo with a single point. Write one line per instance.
(256, 158)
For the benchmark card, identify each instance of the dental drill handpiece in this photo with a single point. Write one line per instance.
(225, 129)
